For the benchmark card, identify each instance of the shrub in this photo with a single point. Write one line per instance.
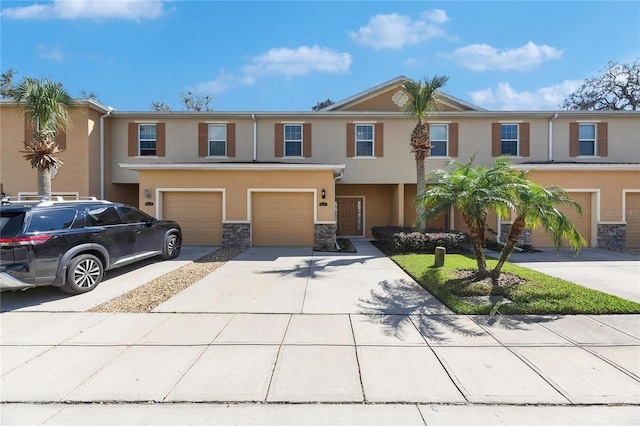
(397, 239)
(416, 242)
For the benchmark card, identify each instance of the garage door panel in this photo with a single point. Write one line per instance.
(282, 219)
(632, 207)
(582, 223)
(199, 215)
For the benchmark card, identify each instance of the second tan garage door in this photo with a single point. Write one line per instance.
(632, 207)
(582, 223)
(199, 214)
(282, 219)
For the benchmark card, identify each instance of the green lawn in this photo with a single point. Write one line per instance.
(541, 294)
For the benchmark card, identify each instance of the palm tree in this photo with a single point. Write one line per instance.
(474, 191)
(535, 206)
(48, 106)
(422, 99)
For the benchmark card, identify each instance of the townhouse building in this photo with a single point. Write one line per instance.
(268, 178)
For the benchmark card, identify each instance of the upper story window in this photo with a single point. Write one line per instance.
(293, 140)
(509, 139)
(217, 140)
(439, 135)
(587, 139)
(364, 140)
(147, 140)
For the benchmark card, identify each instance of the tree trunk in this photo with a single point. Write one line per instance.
(514, 232)
(420, 188)
(477, 238)
(44, 182)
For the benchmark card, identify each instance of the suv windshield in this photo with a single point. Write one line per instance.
(10, 224)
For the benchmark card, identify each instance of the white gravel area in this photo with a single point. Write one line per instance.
(151, 294)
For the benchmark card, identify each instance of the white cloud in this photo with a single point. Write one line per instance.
(300, 61)
(504, 97)
(280, 61)
(394, 31)
(482, 57)
(50, 53)
(436, 15)
(95, 9)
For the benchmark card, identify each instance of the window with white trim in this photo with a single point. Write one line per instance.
(364, 140)
(293, 140)
(509, 139)
(439, 135)
(587, 139)
(217, 140)
(147, 139)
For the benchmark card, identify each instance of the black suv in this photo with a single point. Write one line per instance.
(69, 244)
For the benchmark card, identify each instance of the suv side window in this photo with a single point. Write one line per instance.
(132, 215)
(51, 220)
(103, 216)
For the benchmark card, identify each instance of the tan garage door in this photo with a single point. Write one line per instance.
(199, 215)
(632, 207)
(282, 219)
(582, 223)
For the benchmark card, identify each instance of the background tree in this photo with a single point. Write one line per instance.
(196, 101)
(618, 88)
(423, 96)
(90, 95)
(160, 106)
(322, 105)
(48, 106)
(6, 82)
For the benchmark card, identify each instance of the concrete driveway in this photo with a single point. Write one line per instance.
(299, 280)
(604, 270)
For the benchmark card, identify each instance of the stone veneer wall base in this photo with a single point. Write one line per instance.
(612, 236)
(325, 237)
(236, 234)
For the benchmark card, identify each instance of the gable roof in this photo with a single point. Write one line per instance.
(373, 98)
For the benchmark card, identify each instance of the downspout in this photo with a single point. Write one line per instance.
(255, 137)
(102, 151)
(551, 136)
(335, 178)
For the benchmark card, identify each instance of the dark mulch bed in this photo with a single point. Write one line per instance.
(505, 280)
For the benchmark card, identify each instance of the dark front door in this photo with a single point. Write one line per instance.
(350, 214)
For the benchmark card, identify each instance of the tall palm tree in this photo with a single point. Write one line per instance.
(535, 206)
(422, 99)
(48, 106)
(474, 191)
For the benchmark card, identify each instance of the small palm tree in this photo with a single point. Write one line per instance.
(474, 191)
(48, 106)
(535, 206)
(422, 99)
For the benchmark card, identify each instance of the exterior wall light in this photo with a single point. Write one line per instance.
(324, 194)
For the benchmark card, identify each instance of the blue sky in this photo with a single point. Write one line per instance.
(288, 55)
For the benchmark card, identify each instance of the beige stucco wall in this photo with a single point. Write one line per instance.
(237, 185)
(609, 184)
(16, 173)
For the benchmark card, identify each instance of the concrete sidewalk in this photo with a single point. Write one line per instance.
(351, 334)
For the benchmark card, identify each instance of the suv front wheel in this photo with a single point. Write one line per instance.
(84, 273)
(171, 248)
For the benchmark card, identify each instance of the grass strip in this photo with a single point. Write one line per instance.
(541, 294)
